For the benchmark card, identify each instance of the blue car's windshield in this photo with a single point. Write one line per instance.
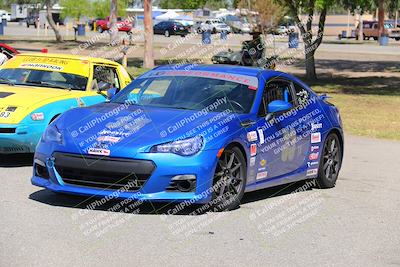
(188, 92)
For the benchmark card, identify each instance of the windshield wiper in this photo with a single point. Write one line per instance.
(182, 108)
(52, 85)
(7, 81)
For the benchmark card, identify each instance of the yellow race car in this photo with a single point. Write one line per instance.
(36, 88)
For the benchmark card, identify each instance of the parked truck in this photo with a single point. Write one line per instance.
(371, 30)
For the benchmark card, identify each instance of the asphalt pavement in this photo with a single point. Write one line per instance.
(354, 224)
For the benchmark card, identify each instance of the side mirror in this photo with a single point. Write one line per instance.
(111, 93)
(279, 106)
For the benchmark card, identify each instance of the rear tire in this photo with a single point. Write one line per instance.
(229, 180)
(330, 162)
(99, 29)
(167, 34)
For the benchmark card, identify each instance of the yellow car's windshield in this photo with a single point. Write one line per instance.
(43, 78)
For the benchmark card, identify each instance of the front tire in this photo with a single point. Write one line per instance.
(99, 29)
(229, 180)
(330, 162)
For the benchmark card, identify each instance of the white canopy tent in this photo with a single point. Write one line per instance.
(170, 14)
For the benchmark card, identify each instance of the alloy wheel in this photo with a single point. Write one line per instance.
(331, 158)
(229, 176)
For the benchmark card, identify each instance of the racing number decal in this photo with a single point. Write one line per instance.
(5, 114)
(289, 148)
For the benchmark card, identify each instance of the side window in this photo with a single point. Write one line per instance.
(275, 90)
(106, 77)
(278, 90)
(302, 94)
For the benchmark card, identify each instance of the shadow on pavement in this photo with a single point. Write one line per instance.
(151, 208)
(16, 160)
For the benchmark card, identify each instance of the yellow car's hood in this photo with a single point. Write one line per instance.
(16, 102)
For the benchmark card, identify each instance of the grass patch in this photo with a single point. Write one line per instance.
(135, 72)
(366, 108)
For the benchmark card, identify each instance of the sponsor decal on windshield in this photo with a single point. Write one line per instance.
(41, 66)
(250, 81)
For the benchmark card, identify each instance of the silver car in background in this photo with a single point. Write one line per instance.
(214, 25)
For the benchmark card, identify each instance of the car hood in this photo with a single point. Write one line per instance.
(136, 127)
(24, 99)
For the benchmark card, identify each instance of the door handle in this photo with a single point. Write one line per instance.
(247, 123)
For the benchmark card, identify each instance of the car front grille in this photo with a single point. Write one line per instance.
(8, 130)
(103, 172)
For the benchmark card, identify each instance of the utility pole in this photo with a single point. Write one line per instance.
(148, 61)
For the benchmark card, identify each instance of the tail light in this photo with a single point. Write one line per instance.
(174, 27)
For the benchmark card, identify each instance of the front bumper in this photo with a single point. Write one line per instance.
(154, 183)
(20, 138)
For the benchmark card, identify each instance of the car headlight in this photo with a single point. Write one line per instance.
(185, 147)
(52, 134)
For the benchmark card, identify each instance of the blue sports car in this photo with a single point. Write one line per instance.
(195, 134)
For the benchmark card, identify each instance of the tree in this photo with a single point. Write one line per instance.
(50, 20)
(311, 40)
(270, 12)
(381, 17)
(393, 7)
(113, 21)
(192, 4)
(148, 60)
(49, 16)
(310, 7)
(101, 8)
(75, 8)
